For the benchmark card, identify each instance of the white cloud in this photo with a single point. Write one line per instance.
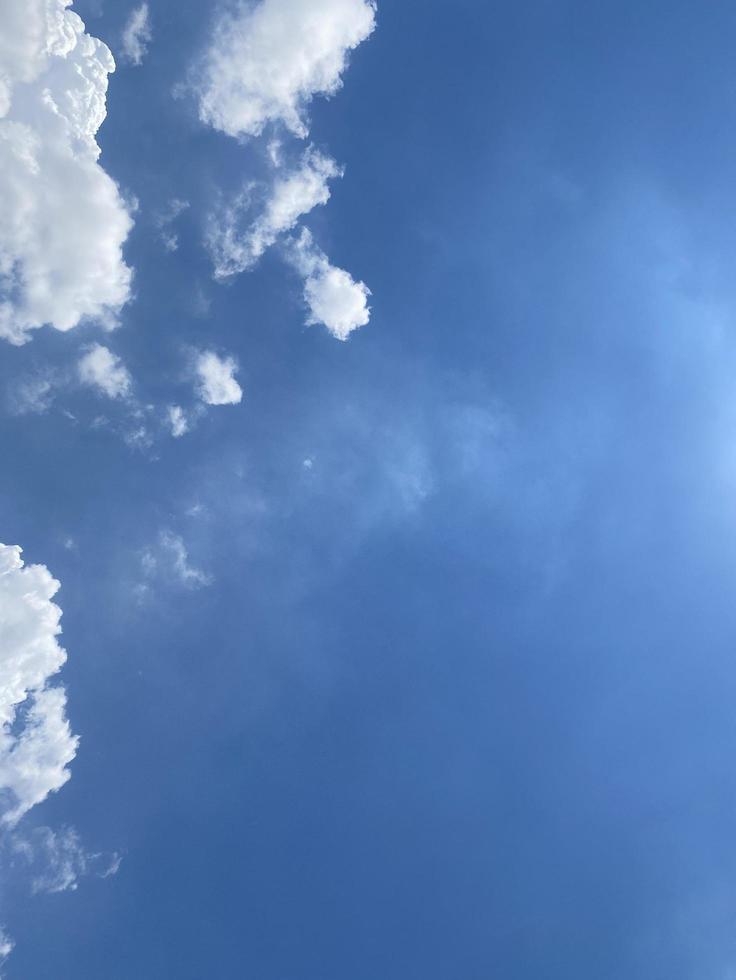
(333, 297)
(216, 379)
(137, 35)
(33, 395)
(6, 945)
(170, 560)
(36, 743)
(164, 221)
(264, 64)
(58, 859)
(178, 421)
(63, 219)
(274, 152)
(234, 249)
(266, 61)
(100, 368)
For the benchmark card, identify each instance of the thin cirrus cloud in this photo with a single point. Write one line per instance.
(266, 62)
(164, 222)
(137, 35)
(101, 369)
(36, 742)
(263, 66)
(33, 395)
(169, 561)
(57, 859)
(216, 383)
(64, 221)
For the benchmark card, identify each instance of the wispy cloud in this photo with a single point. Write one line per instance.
(178, 421)
(236, 246)
(57, 860)
(34, 394)
(137, 35)
(6, 945)
(164, 221)
(168, 561)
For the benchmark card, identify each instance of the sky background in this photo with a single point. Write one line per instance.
(453, 696)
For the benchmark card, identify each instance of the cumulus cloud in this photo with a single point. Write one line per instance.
(64, 222)
(235, 248)
(333, 297)
(264, 64)
(266, 61)
(36, 743)
(216, 383)
(100, 368)
(137, 35)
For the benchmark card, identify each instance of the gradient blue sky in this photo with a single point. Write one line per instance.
(456, 699)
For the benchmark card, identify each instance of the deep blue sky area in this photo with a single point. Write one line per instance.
(458, 700)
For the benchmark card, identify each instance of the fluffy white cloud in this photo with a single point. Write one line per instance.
(216, 379)
(333, 297)
(100, 368)
(36, 743)
(235, 249)
(137, 35)
(64, 222)
(266, 61)
(264, 64)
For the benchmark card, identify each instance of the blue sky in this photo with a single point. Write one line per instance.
(414, 655)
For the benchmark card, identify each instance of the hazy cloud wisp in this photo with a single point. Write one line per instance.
(137, 35)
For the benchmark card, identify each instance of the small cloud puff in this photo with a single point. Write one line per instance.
(216, 379)
(100, 368)
(137, 35)
(178, 421)
(333, 297)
